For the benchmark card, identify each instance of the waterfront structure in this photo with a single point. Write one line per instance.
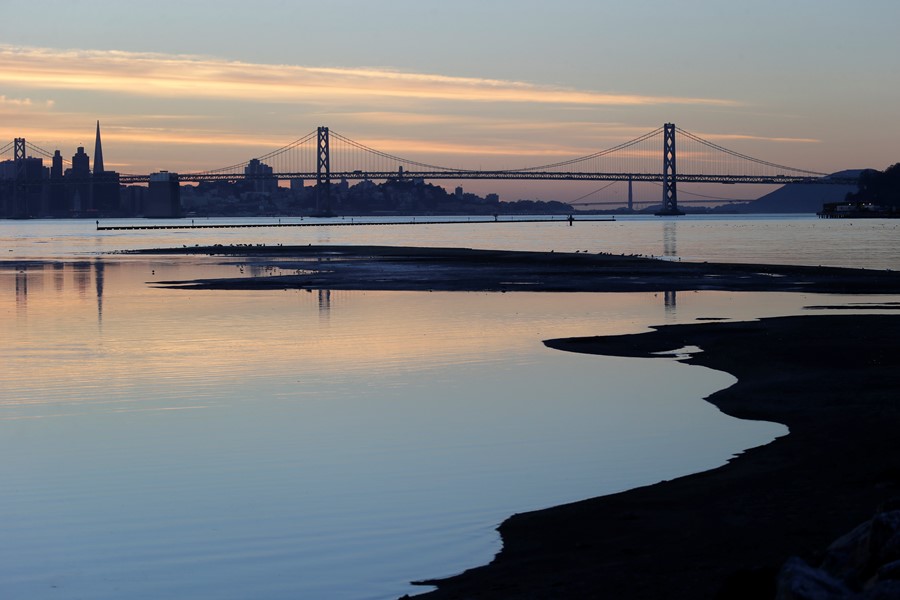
(857, 210)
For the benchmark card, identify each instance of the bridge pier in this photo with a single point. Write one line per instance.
(630, 194)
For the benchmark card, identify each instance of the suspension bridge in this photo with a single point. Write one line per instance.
(667, 155)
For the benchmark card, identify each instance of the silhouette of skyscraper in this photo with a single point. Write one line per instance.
(98, 153)
(259, 174)
(164, 198)
(106, 198)
(80, 174)
(59, 206)
(56, 170)
(81, 164)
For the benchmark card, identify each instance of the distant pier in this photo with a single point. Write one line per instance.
(857, 210)
(342, 223)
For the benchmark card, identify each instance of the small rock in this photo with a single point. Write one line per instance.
(885, 537)
(890, 571)
(799, 581)
(886, 590)
(849, 556)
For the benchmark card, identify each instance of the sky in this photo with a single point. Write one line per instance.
(196, 85)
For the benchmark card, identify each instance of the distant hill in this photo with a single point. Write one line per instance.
(802, 198)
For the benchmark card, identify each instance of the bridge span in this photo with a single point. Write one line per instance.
(667, 155)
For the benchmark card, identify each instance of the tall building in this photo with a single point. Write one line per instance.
(164, 196)
(56, 168)
(59, 205)
(79, 176)
(105, 183)
(261, 176)
(81, 164)
(98, 153)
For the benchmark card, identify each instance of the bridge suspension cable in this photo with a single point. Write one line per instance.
(639, 142)
(599, 189)
(362, 150)
(700, 198)
(294, 150)
(708, 197)
(720, 158)
(39, 150)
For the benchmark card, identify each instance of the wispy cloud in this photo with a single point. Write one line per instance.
(191, 137)
(25, 102)
(161, 75)
(412, 148)
(494, 122)
(757, 138)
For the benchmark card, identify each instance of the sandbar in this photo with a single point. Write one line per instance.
(462, 269)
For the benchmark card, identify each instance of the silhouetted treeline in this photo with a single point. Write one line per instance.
(878, 187)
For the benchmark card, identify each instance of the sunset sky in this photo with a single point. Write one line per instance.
(198, 85)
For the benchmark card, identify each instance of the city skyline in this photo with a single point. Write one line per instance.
(476, 85)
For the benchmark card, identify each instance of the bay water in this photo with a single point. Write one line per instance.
(310, 444)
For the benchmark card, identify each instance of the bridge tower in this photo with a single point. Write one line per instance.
(670, 190)
(323, 173)
(20, 193)
(19, 153)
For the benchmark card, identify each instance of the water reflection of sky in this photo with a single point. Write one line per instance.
(777, 239)
(284, 444)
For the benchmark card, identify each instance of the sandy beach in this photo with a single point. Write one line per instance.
(723, 533)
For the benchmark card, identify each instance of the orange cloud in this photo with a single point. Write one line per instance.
(149, 74)
(416, 147)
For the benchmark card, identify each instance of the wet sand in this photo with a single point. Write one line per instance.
(832, 380)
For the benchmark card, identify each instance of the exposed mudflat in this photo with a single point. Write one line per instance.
(455, 269)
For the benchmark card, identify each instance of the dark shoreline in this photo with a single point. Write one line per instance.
(722, 533)
(725, 533)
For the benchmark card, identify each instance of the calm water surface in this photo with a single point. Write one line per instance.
(293, 444)
(792, 239)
